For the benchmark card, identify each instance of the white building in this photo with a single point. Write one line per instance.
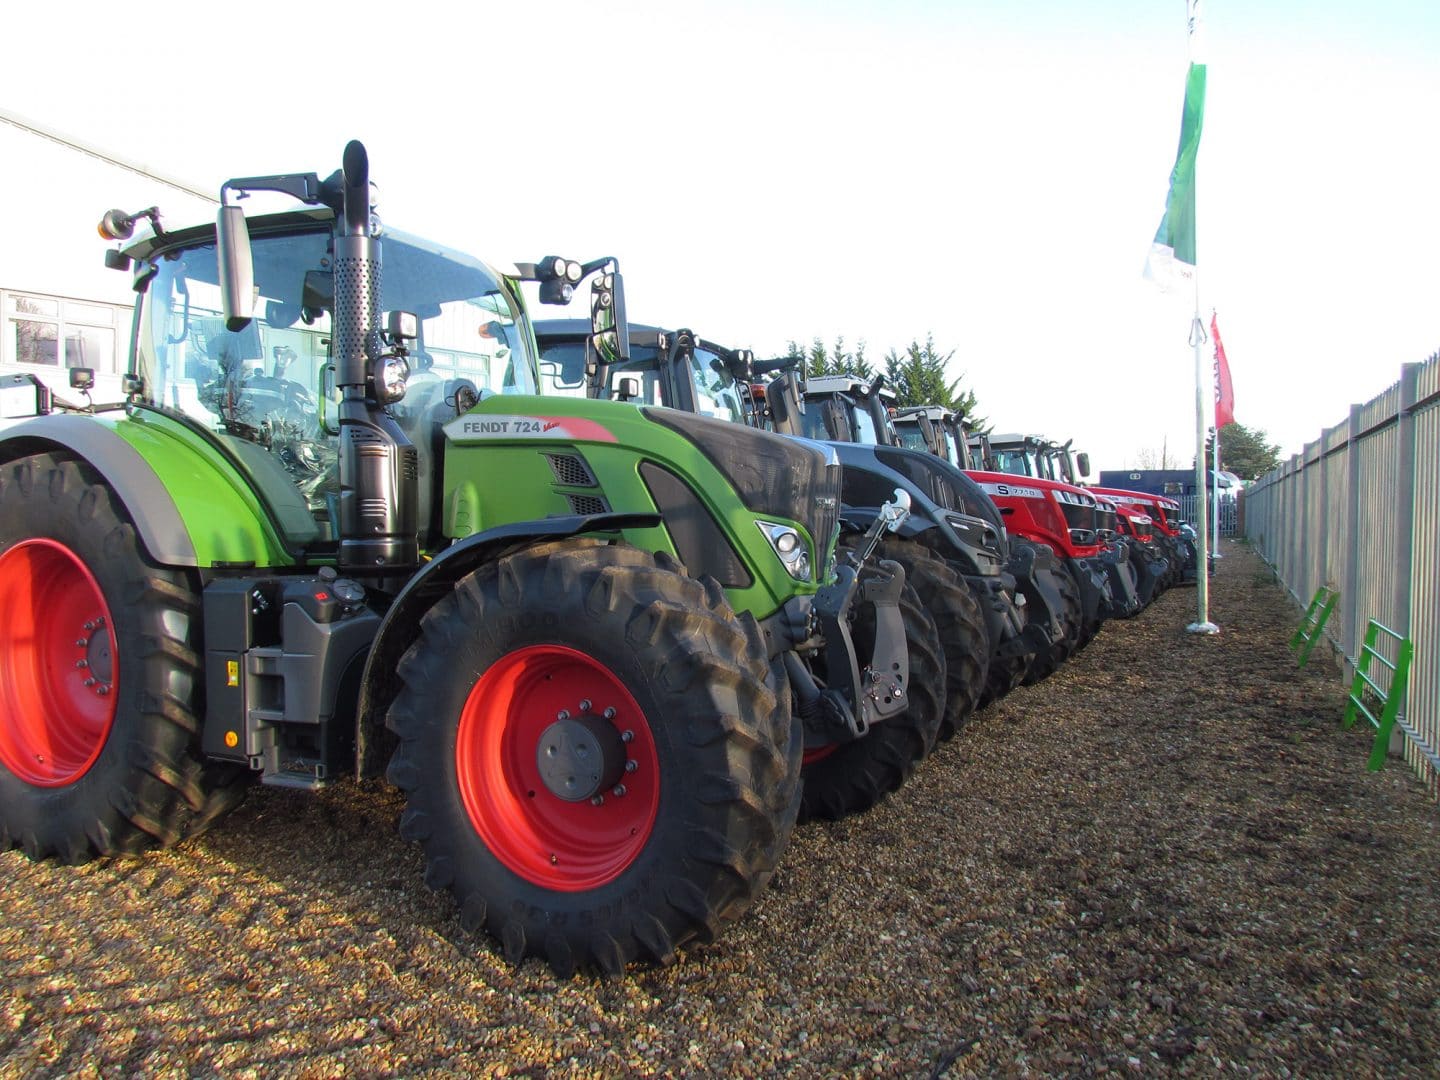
(60, 306)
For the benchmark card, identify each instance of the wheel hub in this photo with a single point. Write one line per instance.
(98, 664)
(580, 757)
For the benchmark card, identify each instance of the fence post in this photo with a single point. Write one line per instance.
(1350, 587)
(1405, 509)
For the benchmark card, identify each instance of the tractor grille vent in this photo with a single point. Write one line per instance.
(587, 504)
(1079, 517)
(571, 470)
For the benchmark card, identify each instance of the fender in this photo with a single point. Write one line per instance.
(401, 624)
(146, 500)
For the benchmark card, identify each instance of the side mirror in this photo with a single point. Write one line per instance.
(82, 378)
(237, 271)
(627, 389)
(1082, 462)
(608, 322)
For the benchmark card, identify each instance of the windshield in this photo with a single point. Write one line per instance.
(717, 393)
(865, 430)
(264, 390)
(955, 450)
(1014, 461)
(911, 437)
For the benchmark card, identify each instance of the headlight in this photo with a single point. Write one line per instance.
(789, 546)
(388, 373)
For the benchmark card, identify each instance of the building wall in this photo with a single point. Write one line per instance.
(60, 306)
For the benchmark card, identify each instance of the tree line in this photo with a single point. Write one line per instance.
(917, 373)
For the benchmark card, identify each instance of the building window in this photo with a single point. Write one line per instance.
(50, 331)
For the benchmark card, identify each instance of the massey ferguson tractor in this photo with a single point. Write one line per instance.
(687, 373)
(1059, 462)
(332, 531)
(1084, 532)
(1172, 536)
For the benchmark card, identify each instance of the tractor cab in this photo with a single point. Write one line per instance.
(1019, 455)
(936, 429)
(262, 391)
(664, 367)
(844, 408)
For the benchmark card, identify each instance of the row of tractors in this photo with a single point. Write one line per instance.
(612, 641)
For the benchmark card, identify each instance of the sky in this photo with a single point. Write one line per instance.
(990, 173)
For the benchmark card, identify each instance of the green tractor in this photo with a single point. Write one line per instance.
(690, 374)
(334, 532)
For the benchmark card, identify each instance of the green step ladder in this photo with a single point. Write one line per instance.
(1312, 626)
(1389, 699)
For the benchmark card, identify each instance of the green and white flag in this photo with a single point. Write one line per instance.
(1171, 263)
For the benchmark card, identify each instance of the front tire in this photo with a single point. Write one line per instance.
(575, 652)
(99, 677)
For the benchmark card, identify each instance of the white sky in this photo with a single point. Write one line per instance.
(991, 172)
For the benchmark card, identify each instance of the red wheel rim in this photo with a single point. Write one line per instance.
(561, 845)
(57, 664)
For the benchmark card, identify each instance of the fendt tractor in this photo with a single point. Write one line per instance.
(1029, 619)
(332, 531)
(679, 370)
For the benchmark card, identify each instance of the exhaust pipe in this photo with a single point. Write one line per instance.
(379, 467)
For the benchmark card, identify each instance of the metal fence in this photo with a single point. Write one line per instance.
(1230, 516)
(1359, 511)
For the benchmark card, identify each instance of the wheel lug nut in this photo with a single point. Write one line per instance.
(82, 663)
(632, 765)
(91, 681)
(81, 642)
(618, 790)
(563, 714)
(627, 736)
(102, 690)
(597, 800)
(585, 705)
(610, 714)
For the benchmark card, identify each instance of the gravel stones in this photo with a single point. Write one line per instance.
(1167, 858)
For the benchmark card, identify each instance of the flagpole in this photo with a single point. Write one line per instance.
(1216, 483)
(1202, 625)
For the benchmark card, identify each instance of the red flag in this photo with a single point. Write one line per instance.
(1224, 392)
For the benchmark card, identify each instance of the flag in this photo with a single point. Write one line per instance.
(1224, 391)
(1171, 263)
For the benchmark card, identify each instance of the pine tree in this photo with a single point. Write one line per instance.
(918, 377)
(1244, 451)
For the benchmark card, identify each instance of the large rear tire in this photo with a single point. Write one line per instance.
(682, 764)
(100, 676)
(851, 777)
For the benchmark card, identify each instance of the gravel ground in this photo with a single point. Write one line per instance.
(1167, 858)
